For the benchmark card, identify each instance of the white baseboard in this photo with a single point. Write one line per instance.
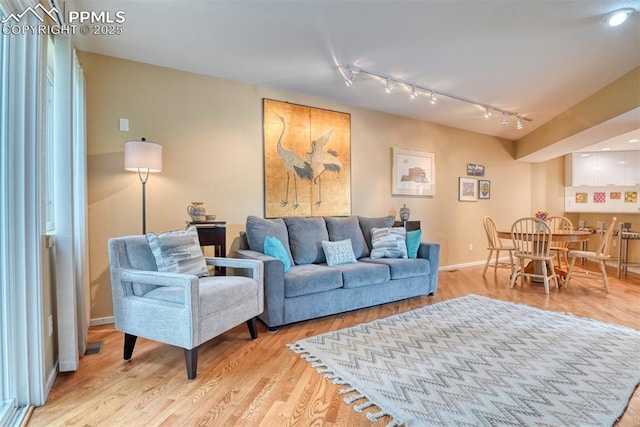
(101, 321)
(470, 264)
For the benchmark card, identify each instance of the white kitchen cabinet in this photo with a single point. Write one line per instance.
(610, 168)
(581, 169)
(632, 168)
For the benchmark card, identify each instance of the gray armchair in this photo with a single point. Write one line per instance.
(179, 309)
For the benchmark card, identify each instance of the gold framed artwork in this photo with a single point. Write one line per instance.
(414, 173)
(307, 160)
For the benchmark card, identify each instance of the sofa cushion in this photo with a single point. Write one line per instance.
(305, 239)
(403, 268)
(363, 274)
(413, 242)
(341, 228)
(275, 248)
(338, 252)
(178, 252)
(259, 228)
(366, 224)
(389, 242)
(310, 279)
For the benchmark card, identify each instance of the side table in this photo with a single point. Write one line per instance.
(213, 233)
(408, 225)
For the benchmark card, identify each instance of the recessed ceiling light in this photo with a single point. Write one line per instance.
(606, 149)
(617, 17)
(584, 155)
(633, 140)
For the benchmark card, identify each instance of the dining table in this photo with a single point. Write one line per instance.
(556, 236)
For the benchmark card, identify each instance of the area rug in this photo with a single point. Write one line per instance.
(476, 361)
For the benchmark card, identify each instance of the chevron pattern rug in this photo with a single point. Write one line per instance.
(476, 361)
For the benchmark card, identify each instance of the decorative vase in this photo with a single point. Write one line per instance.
(404, 213)
(197, 212)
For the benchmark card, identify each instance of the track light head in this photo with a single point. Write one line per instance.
(434, 98)
(504, 119)
(617, 17)
(349, 77)
(413, 94)
(487, 113)
(388, 87)
(519, 124)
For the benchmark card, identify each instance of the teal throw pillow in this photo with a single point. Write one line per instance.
(338, 253)
(274, 247)
(413, 243)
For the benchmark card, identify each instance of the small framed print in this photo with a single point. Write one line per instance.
(467, 189)
(474, 169)
(484, 189)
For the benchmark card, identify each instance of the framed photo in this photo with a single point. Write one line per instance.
(414, 173)
(467, 189)
(484, 189)
(475, 169)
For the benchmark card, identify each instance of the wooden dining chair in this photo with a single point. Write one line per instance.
(531, 239)
(494, 244)
(600, 256)
(560, 223)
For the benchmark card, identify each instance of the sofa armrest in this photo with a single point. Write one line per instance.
(273, 285)
(431, 252)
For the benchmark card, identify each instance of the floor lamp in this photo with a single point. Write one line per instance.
(143, 157)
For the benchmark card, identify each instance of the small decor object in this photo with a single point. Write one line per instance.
(582, 197)
(210, 217)
(475, 169)
(404, 213)
(542, 215)
(467, 189)
(197, 212)
(484, 189)
(414, 173)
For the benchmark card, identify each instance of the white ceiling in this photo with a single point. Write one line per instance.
(534, 57)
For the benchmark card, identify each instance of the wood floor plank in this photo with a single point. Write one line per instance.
(262, 383)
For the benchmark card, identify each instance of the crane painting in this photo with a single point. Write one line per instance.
(307, 155)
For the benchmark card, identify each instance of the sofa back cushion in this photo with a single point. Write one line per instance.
(342, 228)
(305, 239)
(259, 228)
(366, 224)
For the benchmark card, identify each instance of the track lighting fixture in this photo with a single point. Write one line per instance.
(349, 72)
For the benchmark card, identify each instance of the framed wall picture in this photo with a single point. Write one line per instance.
(467, 189)
(474, 169)
(414, 173)
(307, 160)
(484, 189)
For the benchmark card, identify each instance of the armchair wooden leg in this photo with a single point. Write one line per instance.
(251, 323)
(191, 359)
(129, 343)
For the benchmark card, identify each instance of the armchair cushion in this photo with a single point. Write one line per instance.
(178, 252)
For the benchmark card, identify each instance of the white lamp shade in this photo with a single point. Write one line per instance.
(143, 155)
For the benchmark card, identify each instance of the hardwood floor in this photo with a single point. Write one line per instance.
(263, 383)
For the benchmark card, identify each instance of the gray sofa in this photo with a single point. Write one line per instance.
(310, 288)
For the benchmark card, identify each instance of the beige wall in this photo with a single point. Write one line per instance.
(211, 134)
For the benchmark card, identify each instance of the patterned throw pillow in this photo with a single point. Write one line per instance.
(388, 242)
(339, 252)
(178, 252)
(274, 247)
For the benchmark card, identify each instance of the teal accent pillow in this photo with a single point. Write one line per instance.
(413, 242)
(274, 247)
(338, 253)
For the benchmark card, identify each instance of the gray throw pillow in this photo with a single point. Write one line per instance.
(338, 253)
(341, 228)
(305, 238)
(389, 242)
(259, 228)
(366, 224)
(178, 252)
